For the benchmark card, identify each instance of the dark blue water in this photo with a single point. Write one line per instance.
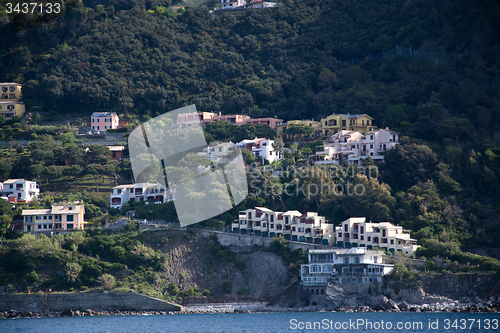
(262, 322)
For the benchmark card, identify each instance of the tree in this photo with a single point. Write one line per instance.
(53, 172)
(67, 138)
(194, 162)
(126, 102)
(5, 226)
(455, 127)
(5, 206)
(99, 154)
(5, 168)
(251, 131)
(220, 130)
(299, 129)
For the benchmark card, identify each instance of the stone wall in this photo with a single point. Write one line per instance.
(38, 303)
(228, 239)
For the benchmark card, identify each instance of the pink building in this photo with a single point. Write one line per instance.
(102, 121)
(191, 119)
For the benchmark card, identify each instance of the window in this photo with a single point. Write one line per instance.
(39, 226)
(368, 238)
(107, 120)
(45, 226)
(293, 228)
(392, 241)
(315, 268)
(29, 219)
(301, 229)
(346, 260)
(340, 235)
(38, 217)
(5, 89)
(272, 226)
(69, 226)
(346, 227)
(272, 218)
(45, 217)
(375, 259)
(361, 237)
(50, 217)
(367, 123)
(69, 218)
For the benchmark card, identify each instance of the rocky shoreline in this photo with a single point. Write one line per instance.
(471, 307)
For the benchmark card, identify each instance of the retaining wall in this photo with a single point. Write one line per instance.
(38, 303)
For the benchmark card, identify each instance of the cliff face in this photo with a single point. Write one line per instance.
(439, 292)
(263, 277)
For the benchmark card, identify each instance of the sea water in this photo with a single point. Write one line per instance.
(263, 322)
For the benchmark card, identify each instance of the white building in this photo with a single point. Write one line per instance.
(356, 232)
(228, 4)
(218, 152)
(292, 225)
(343, 266)
(19, 190)
(261, 4)
(262, 149)
(139, 192)
(349, 147)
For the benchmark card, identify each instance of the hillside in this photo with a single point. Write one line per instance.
(306, 59)
(167, 264)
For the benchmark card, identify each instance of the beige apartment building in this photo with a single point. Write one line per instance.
(60, 218)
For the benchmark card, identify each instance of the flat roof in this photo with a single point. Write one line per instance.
(102, 114)
(27, 212)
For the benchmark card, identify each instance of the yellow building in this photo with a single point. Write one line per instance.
(11, 109)
(11, 91)
(60, 218)
(10, 106)
(281, 128)
(334, 123)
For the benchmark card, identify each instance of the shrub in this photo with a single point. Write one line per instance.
(173, 289)
(84, 288)
(206, 292)
(107, 281)
(72, 270)
(32, 277)
(188, 292)
(10, 288)
(226, 286)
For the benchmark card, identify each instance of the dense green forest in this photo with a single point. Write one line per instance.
(295, 62)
